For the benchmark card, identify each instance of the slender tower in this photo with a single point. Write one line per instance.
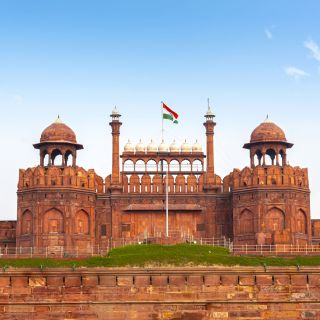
(115, 125)
(209, 125)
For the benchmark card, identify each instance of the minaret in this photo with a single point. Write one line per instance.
(209, 125)
(115, 125)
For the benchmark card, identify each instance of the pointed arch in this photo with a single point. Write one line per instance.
(82, 222)
(53, 221)
(246, 222)
(274, 220)
(27, 222)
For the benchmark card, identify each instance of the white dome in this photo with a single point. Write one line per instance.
(185, 147)
(129, 147)
(152, 147)
(174, 147)
(140, 147)
(197, 147)
(163, 147)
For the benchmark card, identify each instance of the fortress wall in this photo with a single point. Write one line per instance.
(160, 293)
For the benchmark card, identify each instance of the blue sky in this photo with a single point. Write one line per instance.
(80, 58)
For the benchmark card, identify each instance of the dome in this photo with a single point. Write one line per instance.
(163, 147)
(129, 147)
(267, 131)
(152, 147)
(140, 147)
(185, 147)
(58, 132)
(174, 147)
(197, 147)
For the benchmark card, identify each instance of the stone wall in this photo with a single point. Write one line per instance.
(162, 293)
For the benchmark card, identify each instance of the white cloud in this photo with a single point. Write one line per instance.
(314, 49)
(295, 72)
(268, 33)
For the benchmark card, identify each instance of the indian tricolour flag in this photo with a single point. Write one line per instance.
(169, 114)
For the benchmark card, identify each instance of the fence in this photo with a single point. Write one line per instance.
(77, 252)
(276, 250)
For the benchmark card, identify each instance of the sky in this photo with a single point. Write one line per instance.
(80, 58)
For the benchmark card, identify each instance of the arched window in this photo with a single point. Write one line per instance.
(163, 166)
(26, 222)
(246, 222)
(128, 166)
(197, 166)
(140, 166)
(301, 222)
(68, 158)
(151, 166)
(274, 220)
(174, 166)
(270, 157)
(186, 165)
(82, 222)
(56, 157)
(257, 158)
(53, 222)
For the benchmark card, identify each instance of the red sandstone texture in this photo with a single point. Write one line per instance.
(180, 293)
(63, 206)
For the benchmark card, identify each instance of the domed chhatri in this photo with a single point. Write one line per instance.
(140, 147)
(152, 147)
(196, 147)
(185, 147)
(174, 147)
(268, 131)
(58, 132)
(163, 147)
(129, 147)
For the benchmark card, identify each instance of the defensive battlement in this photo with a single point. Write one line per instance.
(262, 176)
(52, 176)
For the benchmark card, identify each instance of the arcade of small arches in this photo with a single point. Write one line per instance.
(163, 165)
(58, 157)
(268, 157)
(53, 222)
(274, 221)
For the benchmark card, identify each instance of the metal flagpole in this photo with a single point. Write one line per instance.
(167, 202)
(161, 121)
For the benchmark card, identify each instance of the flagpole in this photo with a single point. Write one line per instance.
(161, 121)
(167, 202)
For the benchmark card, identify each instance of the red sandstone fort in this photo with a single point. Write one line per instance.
(62, 205)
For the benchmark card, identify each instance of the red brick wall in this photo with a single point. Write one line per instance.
(184, 293)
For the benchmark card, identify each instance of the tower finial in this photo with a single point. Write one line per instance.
(209, 115)
(58, 120)
(267, 118)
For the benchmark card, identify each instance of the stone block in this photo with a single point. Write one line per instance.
(4, 282)
(142, 281)
(314, 280)
(55, 281)
(177, 281)
(17, 281)
(212, 280)
(125, 281)
(72, 281)
(283, 280)
(108, 281)
(159, 281)
(37, 281)
(299, 279)
(264, 280)
(229, 280)
(246, 280)
(195, 280)
(90, 281)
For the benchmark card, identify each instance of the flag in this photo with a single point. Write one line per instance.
(169, 114)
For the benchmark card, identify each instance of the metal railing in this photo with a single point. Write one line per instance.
(61, 252)
(276, 249)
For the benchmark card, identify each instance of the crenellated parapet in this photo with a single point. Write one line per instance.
(259, 176)
(53, 176)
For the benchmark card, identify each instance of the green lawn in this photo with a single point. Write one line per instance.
(158, 255)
